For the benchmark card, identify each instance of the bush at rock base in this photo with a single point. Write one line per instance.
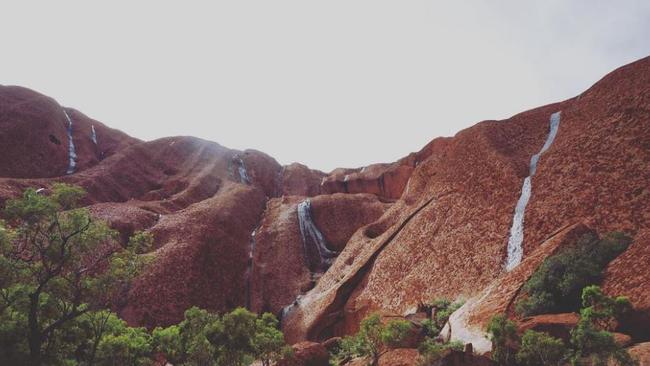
(556, 285)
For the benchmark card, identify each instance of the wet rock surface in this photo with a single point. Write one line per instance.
(456, 246)
(433, 224)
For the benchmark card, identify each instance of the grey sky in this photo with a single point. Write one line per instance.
(327, 83)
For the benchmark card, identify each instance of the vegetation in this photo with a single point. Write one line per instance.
(431, 350)
(432, 347)
(503, 335)
(556, 285)
(540, 349)
(59, 272)
(440, 310)
(56, 265)
(591, 342)
(373, 338)
(236, 338)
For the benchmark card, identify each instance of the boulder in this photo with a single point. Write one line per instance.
(399, 357)
(307, 354)
(556, 325)
(641, 352)
(623, 340)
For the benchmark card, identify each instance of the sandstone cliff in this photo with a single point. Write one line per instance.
(228, 229)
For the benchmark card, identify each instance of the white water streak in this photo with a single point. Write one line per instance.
(72, 154)
(93, 134)
(516, 239)
(310, 233)
(243, 174)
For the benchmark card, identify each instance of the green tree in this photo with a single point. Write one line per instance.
(236, 338)
(373, 338)
(556, 285)
(540, 349)
(503, 335)
(269, 341)
(167, 341)
(431, 350)
(197, 349)
(53, 258)
(122, 345)
(233, 337)
(592, 342)
(440, 310)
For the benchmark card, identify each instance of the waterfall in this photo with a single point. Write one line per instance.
(249, 270)
(241, 168)
(313, 238)
(72, 155)
(287, 309)
(93, 134)
(516, 239)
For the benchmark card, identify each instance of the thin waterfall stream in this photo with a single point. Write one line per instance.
(93, 134)
(314, 243)
(243, 173)
(249, 270)
(318, 257)
(516, 239)
(72, 154)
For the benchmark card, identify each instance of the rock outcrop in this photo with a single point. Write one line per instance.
(433, 224)
(307, 354)
(34, 140)
(455, 246)
(280, 271)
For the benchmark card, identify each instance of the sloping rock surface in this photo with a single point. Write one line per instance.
(433, 224)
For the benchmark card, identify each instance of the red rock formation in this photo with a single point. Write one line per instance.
(384, 180)
(641, 352)
(307, 354)
(298, 180)
(455, 246)
(444, 235)
(279, 272)
(556, 325)
(34, 141)
(628, 275)
(399, 357)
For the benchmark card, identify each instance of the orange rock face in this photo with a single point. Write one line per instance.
(557, 325)
(433, 224)
(307, 354)
(628, 275)
(34, 140)
(384, 180)
(399, 357)
(280, 273)
(641, 352)
(455, 245)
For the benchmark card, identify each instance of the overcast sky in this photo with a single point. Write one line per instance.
(326, 83)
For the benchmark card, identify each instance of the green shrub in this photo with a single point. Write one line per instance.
(540, 349)
(430, 350)
(269, 341)
(441, 309)
(168, 342)
(503, 335)
(593, 344)
(373, 337)
(54, 292)
(395, 332)
(556, 285)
